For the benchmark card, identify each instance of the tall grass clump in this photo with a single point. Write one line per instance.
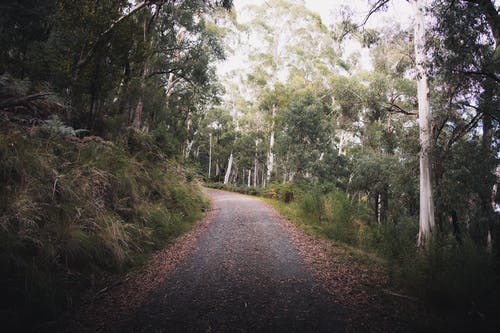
(325, 211)
(313, 205)
(454, 279)
(74, 212)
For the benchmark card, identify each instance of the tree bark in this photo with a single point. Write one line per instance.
(228, 171)
(270, 163)
(256, 163)
(426, 223)
(137, 121)
(341, 143)
(210, 156)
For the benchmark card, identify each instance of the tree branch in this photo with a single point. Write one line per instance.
(375, 8)
(22, 100)
(85, 59)
(465, 129)
(478, 109)
(481, 73)
(492, 17)
(392, 107)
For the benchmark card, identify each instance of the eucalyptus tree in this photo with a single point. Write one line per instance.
(294, 46)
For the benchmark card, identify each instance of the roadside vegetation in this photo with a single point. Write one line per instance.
(97, 103)
(455, 280)
(399, 159)
(77, 212)
(111, 110)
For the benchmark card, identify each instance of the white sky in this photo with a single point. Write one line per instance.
(399, 11)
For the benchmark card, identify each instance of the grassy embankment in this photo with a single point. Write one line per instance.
(78, 213)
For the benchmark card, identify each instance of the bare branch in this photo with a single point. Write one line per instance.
(85, 59)
(22, 100)
(375, 8)
(392, 107)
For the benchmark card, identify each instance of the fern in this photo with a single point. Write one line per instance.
(55, 126)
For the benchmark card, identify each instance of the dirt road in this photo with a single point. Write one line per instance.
(244, 275)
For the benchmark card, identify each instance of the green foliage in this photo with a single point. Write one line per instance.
(55, 126)
(76, 208)
(313, 205)
(250, 190)
(451, 277)
(285, 192)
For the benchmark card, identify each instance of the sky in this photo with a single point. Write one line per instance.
(399, 11)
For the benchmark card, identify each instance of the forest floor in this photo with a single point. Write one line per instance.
(244, 268)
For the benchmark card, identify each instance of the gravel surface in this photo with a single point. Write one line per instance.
(244, 274)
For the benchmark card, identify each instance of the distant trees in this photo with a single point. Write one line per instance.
(310, 114)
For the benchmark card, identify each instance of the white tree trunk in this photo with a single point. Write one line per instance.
(341, 143)
(136, 122)
(228, 171)
(489, 242)
(256, 164)
(189, 147)
(270, 162)
(379, 209)
(210, 156)
(249, 177)
(424, 119)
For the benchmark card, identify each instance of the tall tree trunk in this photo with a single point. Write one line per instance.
(136, 122)
(270, 162)
(263, 180)
(256, 163)
(210, 156)
(228, 171)
(172, 79)
(285, 173)
(249, 177)
(341, 143)
(189, 143)
(378, 203)
(233, 177)
(137, 119)
(487, 107)
(424, 118)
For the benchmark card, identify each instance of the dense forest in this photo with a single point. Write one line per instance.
(113, 113)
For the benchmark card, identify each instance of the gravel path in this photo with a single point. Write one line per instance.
(244, 275)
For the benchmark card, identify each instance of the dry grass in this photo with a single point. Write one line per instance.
(74, 212)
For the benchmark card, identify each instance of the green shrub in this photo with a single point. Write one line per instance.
(286, 192)
(250, 190)
(313, 205)
(453, 278)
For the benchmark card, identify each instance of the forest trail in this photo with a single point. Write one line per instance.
(244, 275)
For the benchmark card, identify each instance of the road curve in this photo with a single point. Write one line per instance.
(244, 275)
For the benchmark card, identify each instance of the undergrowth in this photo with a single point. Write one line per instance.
(456, 281)
(75, 211)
